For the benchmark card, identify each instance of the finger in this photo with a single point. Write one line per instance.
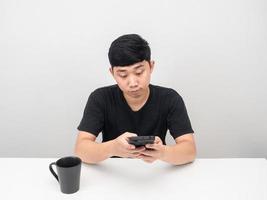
(129, 134)
(133, 152)
(157, 140)
(133, 155)
(126, 144)
(147, 158)
(143, 156)
(151, 153)
(129, 146)
(136, 155)
(139, 149)
(153, 146)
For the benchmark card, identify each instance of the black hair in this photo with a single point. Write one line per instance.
(128, 49)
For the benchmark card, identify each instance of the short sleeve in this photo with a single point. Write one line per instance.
(93, 116)
(178, 121)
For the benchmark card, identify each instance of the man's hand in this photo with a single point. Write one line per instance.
(153, 152)
(122, 148)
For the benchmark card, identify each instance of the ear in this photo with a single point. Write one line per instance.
(111, 71)
(151, 64)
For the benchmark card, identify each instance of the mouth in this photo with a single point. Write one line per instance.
(135, 91)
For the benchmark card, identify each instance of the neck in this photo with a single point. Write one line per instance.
(138, 100)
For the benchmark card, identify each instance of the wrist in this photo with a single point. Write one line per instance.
(111, 149)
(164, 152)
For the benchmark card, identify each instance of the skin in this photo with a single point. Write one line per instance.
(134, 81)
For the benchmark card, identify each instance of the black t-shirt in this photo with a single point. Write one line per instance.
(107, 111)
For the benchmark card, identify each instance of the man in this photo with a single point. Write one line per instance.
(134, 107)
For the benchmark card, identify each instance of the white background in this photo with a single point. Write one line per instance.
(54, 53)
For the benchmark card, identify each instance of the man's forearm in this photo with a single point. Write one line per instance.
(93, 152)
(181, 153)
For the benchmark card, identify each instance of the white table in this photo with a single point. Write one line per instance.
(226, 179)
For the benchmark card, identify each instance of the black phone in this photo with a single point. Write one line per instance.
(139, 141)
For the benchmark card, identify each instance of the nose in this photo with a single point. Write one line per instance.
(132, 82)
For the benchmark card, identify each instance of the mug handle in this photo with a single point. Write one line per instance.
(52, 171)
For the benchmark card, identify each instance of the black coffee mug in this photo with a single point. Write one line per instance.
(69, 172)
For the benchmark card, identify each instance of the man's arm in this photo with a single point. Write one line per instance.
(90, 151)
(184, 151)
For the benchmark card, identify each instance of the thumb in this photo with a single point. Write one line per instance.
(128, 134)
(157, 140)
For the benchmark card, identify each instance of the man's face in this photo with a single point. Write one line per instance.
(134, 79)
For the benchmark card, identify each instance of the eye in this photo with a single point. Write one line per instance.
(123, 76)
(139, 73)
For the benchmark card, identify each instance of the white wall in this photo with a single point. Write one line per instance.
(53, 53)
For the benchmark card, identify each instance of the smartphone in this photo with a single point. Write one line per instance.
(139, 141)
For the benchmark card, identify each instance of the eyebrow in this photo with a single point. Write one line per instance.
(137, 67)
